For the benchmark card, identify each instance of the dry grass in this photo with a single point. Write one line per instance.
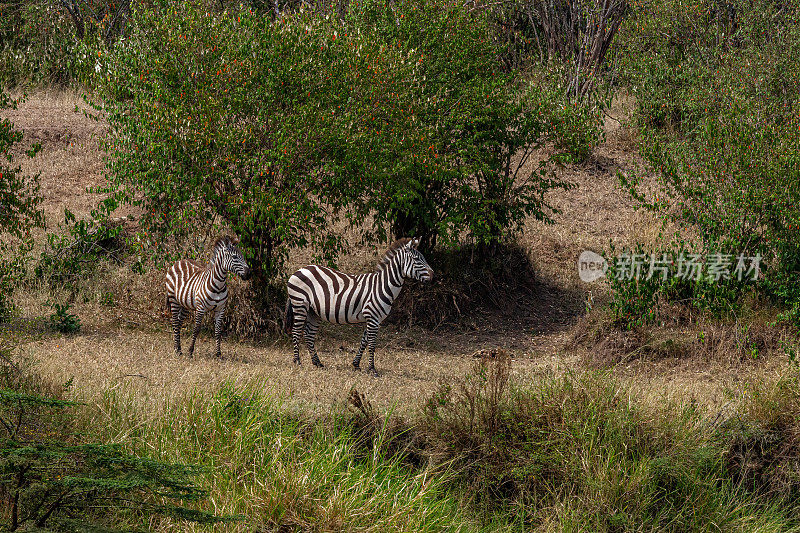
(137, 391)
(70, 160)
(128, 341)
(682, 335)
(597, 211)
(107, 357)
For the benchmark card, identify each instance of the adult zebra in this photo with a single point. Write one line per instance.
(198, 288)
(319, 293)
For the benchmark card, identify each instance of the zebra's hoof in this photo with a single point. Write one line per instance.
(296, 361)
(318, 364)
(371, 371)
(218, 355)
(356, 366)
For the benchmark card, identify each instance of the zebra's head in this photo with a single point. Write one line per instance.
(414, 265)
(230, 258)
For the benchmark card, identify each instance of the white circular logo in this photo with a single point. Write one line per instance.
(591, 266)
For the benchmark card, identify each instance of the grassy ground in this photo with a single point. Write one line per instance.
(565, 453)
(122, 365)
(128, 336)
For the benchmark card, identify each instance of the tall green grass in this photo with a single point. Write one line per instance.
(567, 453)
(281, 470)
(583, 453)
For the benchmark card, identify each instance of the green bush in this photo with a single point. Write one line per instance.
(43, 42)
(686, 61)
(75, 251)
(19, 207)
(229, 120)
(36, 43)
(51, 479)
(718, 113)
(459, 169)
(63, 321)
(737, 181)
(640, 295)
(278, 128)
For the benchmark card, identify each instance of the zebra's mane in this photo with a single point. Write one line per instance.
(220, 242)
(391, 252)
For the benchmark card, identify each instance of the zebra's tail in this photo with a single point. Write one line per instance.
(288, 321)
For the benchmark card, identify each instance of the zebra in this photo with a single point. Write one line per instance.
(319, 293)
(195, 287)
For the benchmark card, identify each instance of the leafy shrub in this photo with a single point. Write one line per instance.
(63, 321)
(58, 43)
(51, 479)
(73, 253)
(277, 128)
(718, 107)
(36, 43)
(678, 275)
(464, 166)
(19, 207)
(685, 61)
(737, 183)
(225, 119)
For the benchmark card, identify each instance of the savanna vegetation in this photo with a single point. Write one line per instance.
(319, 131)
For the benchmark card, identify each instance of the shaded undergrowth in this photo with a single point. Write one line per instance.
(469, 282)
(105, 264)
(583, 453)
(54, 478)
(750, 336)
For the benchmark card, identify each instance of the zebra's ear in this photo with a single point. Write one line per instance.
(414, 242)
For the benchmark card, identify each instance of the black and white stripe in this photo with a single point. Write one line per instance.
(319, 293)
(198, 288)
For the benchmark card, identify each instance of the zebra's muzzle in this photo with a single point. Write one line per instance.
(246, 273)
(428, 276)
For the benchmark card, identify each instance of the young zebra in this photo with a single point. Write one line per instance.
(195, 287)
(320, 293)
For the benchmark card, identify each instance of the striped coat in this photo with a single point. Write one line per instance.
(195, 288)
(319, 293)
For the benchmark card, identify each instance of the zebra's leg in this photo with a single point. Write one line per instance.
(177, 321)
(198, 320)
(218, 316)
(372, 334)
(312, 326)
(297, 331)
(357, 360)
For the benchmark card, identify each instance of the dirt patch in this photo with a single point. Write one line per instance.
(108, 358)
(70, 160)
